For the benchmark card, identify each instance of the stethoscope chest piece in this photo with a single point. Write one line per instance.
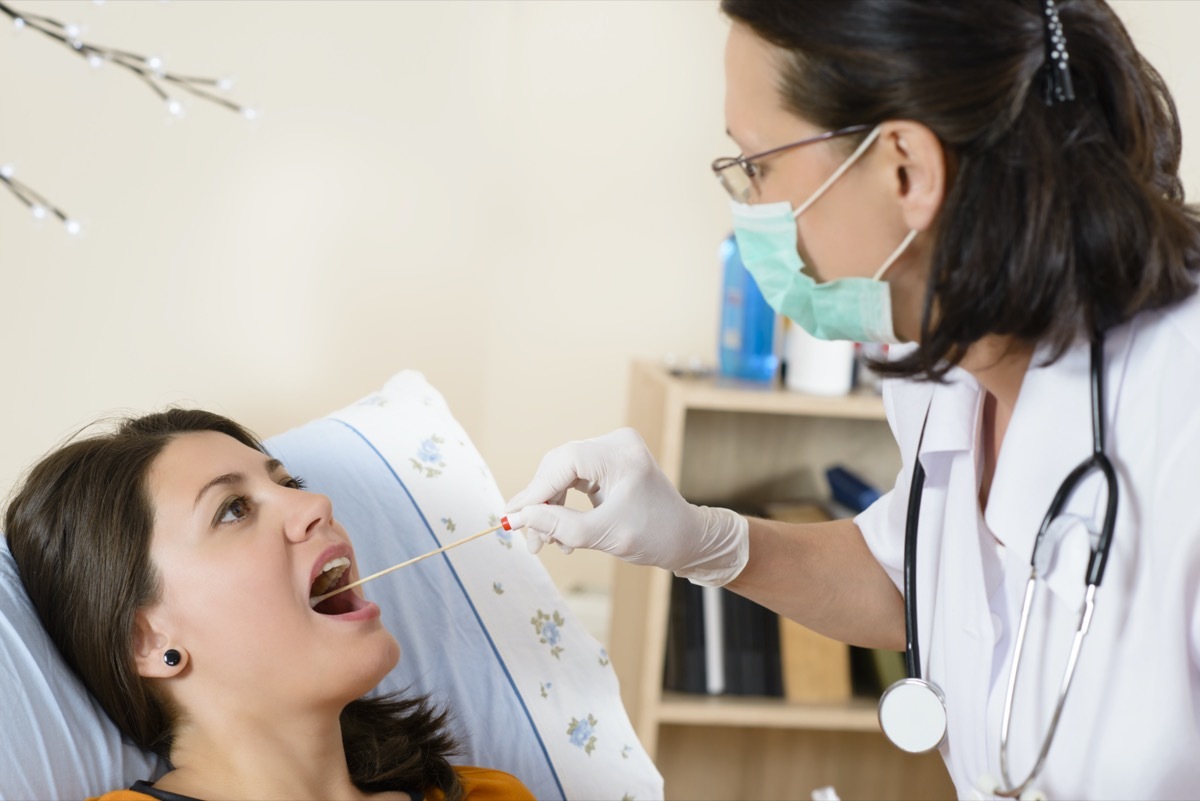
(912, 713)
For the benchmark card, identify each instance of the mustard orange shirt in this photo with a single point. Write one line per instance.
(479, 784)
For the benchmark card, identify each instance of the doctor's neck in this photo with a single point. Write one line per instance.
(999, 364)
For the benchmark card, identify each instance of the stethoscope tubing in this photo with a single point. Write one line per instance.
(912, 645)
(1097, 461)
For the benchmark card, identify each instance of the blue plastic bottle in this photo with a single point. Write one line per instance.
(747, 341)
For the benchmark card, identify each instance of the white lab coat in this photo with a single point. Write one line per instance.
(1131, 725)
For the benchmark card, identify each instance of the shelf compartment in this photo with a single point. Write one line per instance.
(721, 394)
(856, 714)
(728, 444)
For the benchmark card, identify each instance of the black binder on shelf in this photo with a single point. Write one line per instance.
(752, 659)
(683, 669)
(749, 647)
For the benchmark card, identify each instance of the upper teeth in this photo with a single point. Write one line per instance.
(340, 561)
(331, 571)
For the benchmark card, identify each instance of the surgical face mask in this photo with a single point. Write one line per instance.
(858, 309)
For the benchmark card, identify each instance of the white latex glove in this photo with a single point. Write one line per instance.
(637, 514)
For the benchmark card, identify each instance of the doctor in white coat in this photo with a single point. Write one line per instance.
(996, 184)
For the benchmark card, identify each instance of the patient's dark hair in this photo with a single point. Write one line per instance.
(1058, 219)
(80, 530)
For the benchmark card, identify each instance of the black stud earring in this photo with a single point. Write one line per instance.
(172, 657)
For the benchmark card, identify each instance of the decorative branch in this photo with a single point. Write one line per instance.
(149, 70)
(34, 201)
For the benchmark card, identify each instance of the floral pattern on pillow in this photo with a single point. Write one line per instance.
(429, 457)
(549, 629)
(582, 733)
(505, 538)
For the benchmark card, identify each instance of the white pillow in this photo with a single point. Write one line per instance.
(482, 628)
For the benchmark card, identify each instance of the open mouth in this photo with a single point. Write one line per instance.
(335, 573)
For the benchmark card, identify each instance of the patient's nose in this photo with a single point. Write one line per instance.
(309, 513)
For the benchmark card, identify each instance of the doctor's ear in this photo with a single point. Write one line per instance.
(154, 654)
(916, 161)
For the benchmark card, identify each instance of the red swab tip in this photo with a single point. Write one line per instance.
(504, 522)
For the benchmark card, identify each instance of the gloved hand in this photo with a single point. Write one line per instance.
(637, 516)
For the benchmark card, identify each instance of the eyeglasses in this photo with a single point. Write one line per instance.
(740, 183)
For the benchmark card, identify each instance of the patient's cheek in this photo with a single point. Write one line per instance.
(398, 653)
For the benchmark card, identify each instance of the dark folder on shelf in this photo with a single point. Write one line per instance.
(751, 648)
(683, 670)
(749, 644)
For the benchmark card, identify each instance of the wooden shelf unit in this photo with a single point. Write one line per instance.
(726, 443)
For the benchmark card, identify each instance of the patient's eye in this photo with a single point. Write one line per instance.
(235, 509)
(238, 508)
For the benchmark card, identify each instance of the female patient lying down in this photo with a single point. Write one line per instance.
(172, 562)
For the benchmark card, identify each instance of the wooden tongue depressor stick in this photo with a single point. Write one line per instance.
(503, 525)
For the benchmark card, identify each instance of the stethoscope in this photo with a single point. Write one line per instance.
(912, 712)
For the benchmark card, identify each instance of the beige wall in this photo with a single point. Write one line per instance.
(1165, 32)
(511, 197)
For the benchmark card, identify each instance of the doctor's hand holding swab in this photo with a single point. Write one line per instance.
(637, 516)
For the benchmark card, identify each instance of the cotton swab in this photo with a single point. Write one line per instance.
(503, 525)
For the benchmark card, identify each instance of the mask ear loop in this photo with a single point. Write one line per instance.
(912, 234)
(839, 172)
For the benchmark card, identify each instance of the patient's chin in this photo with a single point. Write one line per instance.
(366, 666)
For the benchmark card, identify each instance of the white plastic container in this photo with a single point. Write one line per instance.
(816, 366)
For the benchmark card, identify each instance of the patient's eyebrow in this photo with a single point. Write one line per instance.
(226, 479)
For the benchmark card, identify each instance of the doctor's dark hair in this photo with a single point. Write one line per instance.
(1058, 219)
(80, 530)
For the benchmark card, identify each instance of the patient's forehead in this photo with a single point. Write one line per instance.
(189, 462)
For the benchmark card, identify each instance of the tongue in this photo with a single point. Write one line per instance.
(338, 604)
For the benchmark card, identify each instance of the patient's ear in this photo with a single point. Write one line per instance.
(156, 657)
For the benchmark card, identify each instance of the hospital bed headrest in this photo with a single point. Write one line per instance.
(481, 628)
